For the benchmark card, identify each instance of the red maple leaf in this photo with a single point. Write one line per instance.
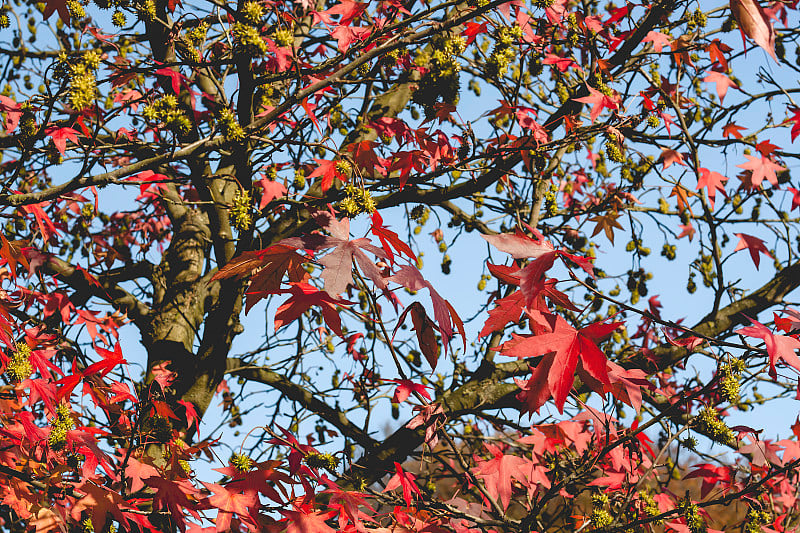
(519, 245)
(722, 82)
(754, 245)
(659, 40)
(138, 472)
(761, 167)
(779, 347)
(795, 197)
(326, 169)
(272, 189)
(267, 266)
(308, 521)
(263, 478)
(13, 113)
(406, 481)
(506, 310)
(563, 64)
(444, 314)
(425, 330)
(687, 230)
(303, 297)
(713, 182)
(499, 473)
(46, 226)
(405, 388)
(348, 10)
(732, 130)
(766, 148)
(40, 389)
(175, 77)
(13, 253)
(56, 5)
(473, 29)
(389, 239)
(98, 502)
(229, 502)
(109, 362)
(338, 263)
(598, 101)
(711, 476)
(346, 35)
(405, 161)
(565, 350)
(716, 52)
(60, 137)
(174, 496)
(796, 121)
(754, 22)
(670, 156)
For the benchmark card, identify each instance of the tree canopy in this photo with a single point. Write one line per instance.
(398, 266)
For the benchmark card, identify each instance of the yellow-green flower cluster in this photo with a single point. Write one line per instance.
(299, 181)
(197, 35)
(185, 466)
(230, 127)
(441, 81)
(241, 462)
(119, 19)
(166, 110)
(241, 210)
(729, 383)
(321, 460)
(19, 366)
(504, 52)
(649, 505)
(562, 92)
(697, 19)
(343, 169)
(75, 9)
(5, 22)
(266, 96)
(82, 86)
(27, 123)
(600, 519)
(91, 59)
(550, 201)
(284, 37)
(247, 39)
(755, 519)
(59, 426)
(147, 10)
(708, 420)
(357, 201)
(614, 152)
(691, 513)
(393, 56)
(599, 83)
(252, 13)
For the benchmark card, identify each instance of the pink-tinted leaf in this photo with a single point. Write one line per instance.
(754, 245)
(754, 22)
(779, 347)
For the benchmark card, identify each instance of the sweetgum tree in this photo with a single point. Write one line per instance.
(169, 166)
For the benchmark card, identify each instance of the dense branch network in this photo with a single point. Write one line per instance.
(286, 205)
